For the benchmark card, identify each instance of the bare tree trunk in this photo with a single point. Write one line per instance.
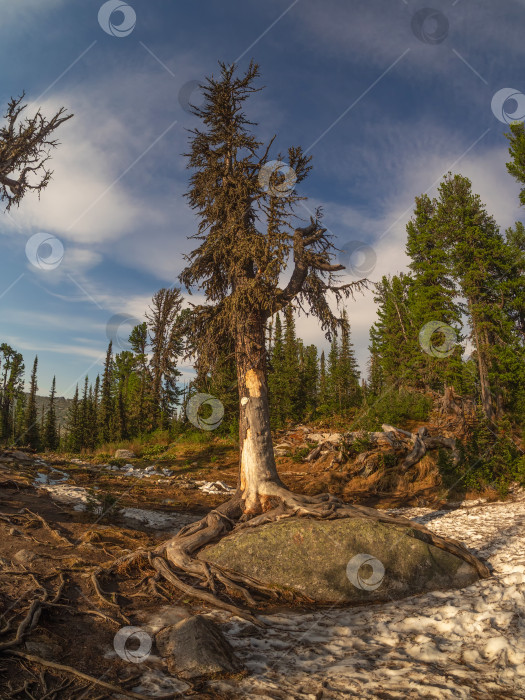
(257, 464)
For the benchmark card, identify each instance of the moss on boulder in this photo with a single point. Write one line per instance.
(349, 560)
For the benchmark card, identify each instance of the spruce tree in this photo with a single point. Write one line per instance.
(479, 265)
(348, 371)
(291, 409)
(93, 415)
(84, 416)
(138, 340)
(31, 429)
(277, 384)
(392, 337)
(308, 382)
(516, 166)
(333, 379)
(19, 417)
(323, 384)
(375, 380)
(431, 297)
(165, 332)
(50, 433)
(73, 437)
(11, 390)
(106, 398)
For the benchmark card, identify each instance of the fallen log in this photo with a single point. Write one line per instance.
(421, 442)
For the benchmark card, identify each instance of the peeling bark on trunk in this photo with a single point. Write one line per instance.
(257, 462)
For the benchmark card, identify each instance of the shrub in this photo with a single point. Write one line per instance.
(395, 408)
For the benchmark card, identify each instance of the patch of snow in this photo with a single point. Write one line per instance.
(159, 520)
(68, 494)
(154, 683)
(78, 497)
(445, 644)
(214, 487)
(163, 617)
(50, 478)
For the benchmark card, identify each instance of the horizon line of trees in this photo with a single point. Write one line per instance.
(463, 272)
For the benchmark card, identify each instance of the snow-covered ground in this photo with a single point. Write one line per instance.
(467, 643)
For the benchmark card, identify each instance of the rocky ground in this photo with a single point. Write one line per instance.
(450, 644)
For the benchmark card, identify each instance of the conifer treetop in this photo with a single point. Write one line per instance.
(249, 230)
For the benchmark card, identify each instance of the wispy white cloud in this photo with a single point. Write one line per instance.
(60, 348)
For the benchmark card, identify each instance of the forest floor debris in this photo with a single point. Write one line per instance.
(450, 644)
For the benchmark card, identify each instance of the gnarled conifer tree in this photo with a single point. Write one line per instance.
(248, 236)
(25, 144)
(248, 231)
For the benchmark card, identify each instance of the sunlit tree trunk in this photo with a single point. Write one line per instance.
(257, 462)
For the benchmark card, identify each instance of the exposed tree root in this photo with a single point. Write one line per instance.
(177, 563)
(86, 677)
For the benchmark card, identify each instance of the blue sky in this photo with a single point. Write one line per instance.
(384, 110)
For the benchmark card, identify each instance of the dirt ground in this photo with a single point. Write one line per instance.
(49, 550)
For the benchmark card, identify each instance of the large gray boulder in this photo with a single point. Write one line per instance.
(350, 560)
(196, 647)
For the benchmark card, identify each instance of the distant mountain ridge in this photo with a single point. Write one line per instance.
(61, 406)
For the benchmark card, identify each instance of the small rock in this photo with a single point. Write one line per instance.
(21, 456)
(334, 438)
(188, 485)
(196, 647)
(125, 454)
(45, 649)
(25, 556)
